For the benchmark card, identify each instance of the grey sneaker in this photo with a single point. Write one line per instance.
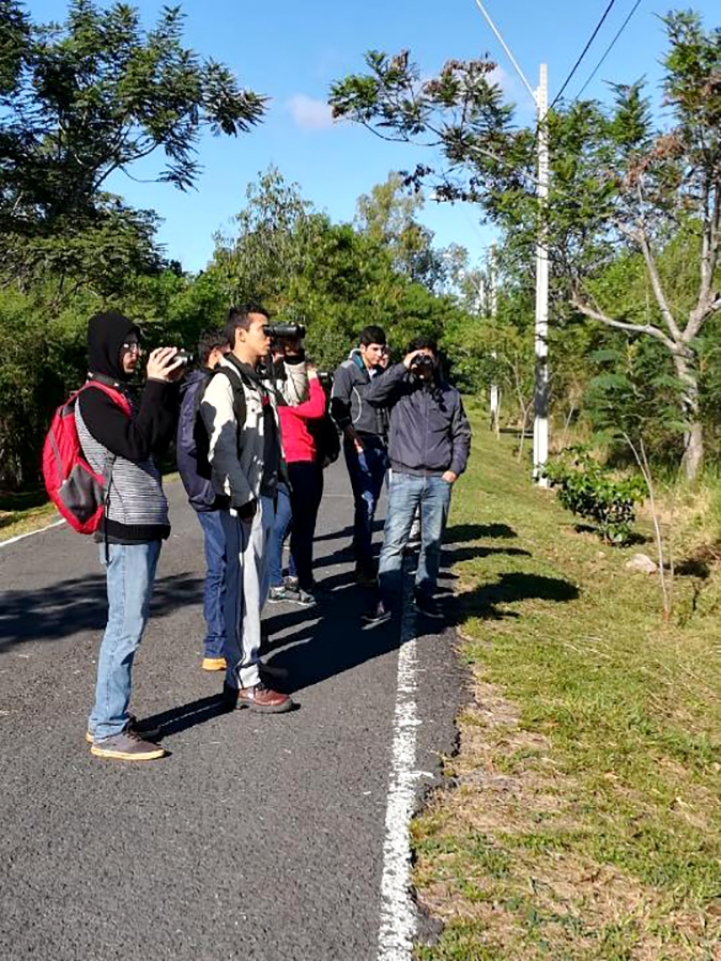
(277, 595)
(127, 746)
(291, 582)
(149, 732)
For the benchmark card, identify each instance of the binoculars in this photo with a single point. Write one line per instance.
(422, 361)
(291, 331)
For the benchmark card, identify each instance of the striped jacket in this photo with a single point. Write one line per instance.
(137, 509)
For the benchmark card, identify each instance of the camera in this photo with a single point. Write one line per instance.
(422, 362)
(184, 356)
(291, 331)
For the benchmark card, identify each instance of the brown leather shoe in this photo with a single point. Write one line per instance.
(259, 698)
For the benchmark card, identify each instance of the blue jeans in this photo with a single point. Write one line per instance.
(367, 471)
(283, 519)
(130, 573)
(214, 590)
(408, 493)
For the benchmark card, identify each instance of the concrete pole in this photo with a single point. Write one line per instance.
(495, 393)
(541, 397)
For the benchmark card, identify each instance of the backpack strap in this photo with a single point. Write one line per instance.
(237, 382)
(111, 389)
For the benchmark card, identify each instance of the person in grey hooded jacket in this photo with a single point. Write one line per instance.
(429, 444)
(363, 428)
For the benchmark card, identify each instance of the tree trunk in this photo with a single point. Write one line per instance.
(693, 436)
(693, 455)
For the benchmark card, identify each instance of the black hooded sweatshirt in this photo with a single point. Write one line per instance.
(135, 439)
(152, 427)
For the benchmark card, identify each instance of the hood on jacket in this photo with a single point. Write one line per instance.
(107, 331)
(193, 378)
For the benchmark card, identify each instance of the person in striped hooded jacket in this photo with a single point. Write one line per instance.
(124, 449)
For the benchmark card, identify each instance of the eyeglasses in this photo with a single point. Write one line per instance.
(132, 347)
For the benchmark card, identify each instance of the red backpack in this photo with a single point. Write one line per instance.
(72, 485)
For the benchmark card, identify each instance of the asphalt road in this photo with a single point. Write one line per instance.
(258, 837)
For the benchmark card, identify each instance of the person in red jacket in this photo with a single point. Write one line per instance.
(306, 489)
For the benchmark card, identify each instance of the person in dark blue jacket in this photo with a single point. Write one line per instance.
(428, 445)
(213, 344)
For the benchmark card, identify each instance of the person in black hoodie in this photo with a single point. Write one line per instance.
(213, 345)
(123, 450)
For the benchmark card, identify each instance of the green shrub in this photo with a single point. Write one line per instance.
(589, 491)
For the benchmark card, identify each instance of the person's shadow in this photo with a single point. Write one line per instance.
(307, 646)
(79, 604)
(489, 601)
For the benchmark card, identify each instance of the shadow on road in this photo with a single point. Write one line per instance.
(80, 604)
(314, 645)
(177, 719)
(346, 532)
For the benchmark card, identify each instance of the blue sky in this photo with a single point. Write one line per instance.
(292, 51)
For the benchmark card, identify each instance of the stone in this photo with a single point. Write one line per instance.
(642, 563)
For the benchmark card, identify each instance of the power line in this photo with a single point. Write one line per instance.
(583, 53)
(609, 48)
(507, 49)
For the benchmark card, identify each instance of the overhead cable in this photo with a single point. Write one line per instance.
(583, 53)
(609, 48)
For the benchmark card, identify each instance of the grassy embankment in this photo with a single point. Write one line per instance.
(23, 513)
(582, 816)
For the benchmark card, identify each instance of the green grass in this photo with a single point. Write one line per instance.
(585, 817)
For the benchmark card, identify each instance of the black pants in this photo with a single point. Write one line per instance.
(306, 481)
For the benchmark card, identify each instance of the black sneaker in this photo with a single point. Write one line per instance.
(365, 578)
(305, 599)
(379, 615)
(428, 606)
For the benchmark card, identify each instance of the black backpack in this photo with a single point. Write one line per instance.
(200, 433)
(327, 440)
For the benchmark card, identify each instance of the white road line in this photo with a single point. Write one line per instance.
(398, 912)
(21, 537)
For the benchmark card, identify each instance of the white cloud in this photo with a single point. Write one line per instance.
(310, 114)
(500, 78)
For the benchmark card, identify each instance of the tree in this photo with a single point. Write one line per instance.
(388, 216)
(93, 96)
(617, 183)
(273, 243)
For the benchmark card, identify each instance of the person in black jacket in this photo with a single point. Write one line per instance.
(364, 446)
(429, 443)
(123, 450)
(202, 498)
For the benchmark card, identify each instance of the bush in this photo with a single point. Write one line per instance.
(589, 491)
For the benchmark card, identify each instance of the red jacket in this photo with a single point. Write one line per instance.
(298, 442)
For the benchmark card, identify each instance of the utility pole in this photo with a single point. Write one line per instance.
(541, 394)
(495, 393)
